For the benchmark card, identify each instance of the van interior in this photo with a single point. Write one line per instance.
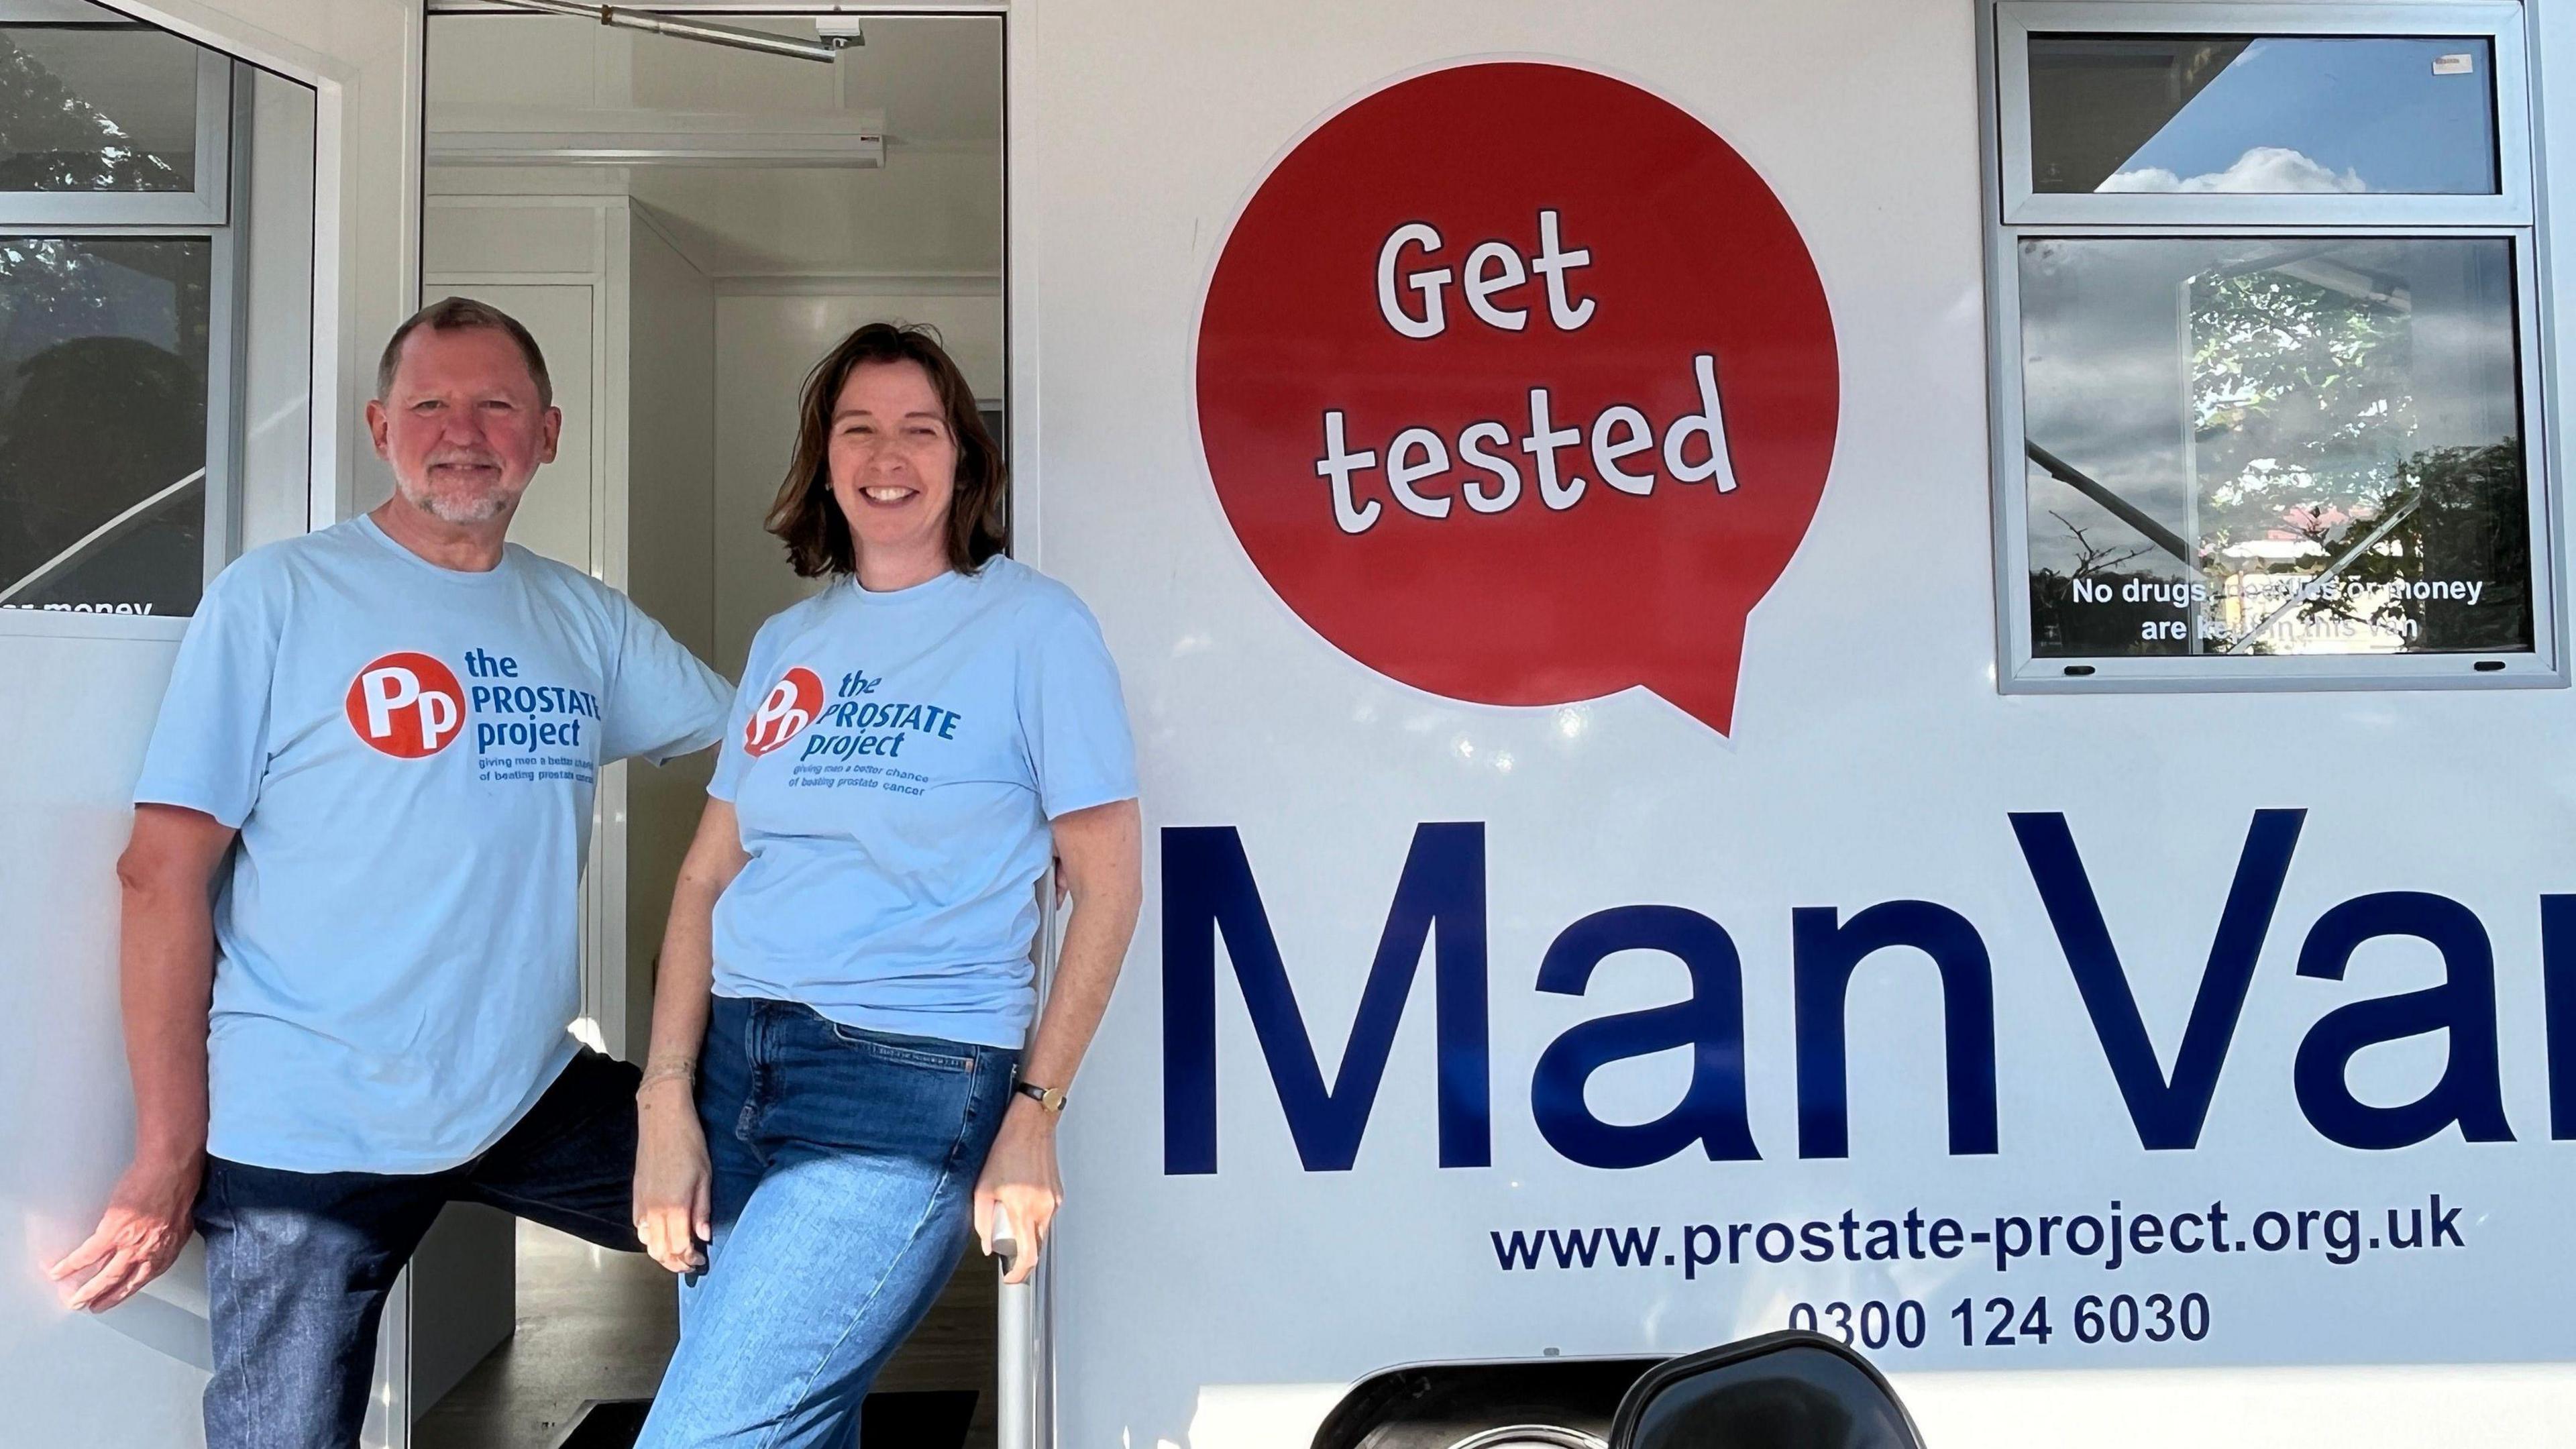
(687, 224)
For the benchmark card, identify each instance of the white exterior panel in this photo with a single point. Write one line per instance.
(1870, 759)
(83, 708)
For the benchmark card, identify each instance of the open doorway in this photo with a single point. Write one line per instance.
(687, 225)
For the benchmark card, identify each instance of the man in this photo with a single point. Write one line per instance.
(400, 720)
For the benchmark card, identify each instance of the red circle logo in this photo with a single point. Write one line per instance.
(407, 705)
(791, 704)
(1519, 386)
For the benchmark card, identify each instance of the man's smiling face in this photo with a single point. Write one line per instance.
(464, 424)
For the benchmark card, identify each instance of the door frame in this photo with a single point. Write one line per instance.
(1023, 1382)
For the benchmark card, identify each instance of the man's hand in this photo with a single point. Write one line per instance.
(166, 967)
(1020, 1178)
(138, 1237)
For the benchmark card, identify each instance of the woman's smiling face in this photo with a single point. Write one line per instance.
(893, 464)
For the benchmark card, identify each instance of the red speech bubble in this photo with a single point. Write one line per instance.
(1519, 386)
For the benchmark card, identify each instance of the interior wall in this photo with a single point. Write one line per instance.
(764, 345)
(934, 207)
(932, 217)
(671, 465)
(463, 1300)
(549, 267)
(936, 212)
(796, 256)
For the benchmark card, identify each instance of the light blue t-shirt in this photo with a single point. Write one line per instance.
(409, 753)
(894, 759)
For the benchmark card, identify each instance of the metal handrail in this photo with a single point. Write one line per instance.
(683, 28)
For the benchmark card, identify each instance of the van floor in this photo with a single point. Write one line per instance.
(599, 1325)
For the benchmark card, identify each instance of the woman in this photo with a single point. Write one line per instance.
(845, 982)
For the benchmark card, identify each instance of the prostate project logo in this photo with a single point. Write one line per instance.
(407, 705)
(1519, 385)
(791, 704)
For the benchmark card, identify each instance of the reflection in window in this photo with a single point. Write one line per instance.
(97, 107)
(2274, 446)
(103, 422)
(2262, 114)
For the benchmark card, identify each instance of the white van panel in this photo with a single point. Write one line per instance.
(1870, 759)
(82, 707)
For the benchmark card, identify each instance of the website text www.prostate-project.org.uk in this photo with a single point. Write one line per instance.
(2117, 1239)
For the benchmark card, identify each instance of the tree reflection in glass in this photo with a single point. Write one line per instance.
(108, 107)
(2242, 447)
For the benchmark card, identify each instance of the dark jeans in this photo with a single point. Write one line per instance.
(845, 1165)
(298, 1263)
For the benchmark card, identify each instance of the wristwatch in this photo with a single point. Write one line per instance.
(1050, 1098)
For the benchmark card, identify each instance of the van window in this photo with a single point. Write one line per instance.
(2262, 113)
(2265, 352)
(98, 107)
(116, 252)
(103, 419)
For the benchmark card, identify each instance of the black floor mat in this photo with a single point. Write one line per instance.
(607, 1424)
(938, 1418)
(918, 1419)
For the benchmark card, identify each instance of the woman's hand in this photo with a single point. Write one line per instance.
(1100, 865)
(672, 1207)
(1019, 1177)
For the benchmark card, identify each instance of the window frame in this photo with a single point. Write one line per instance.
(135, 216)
(208, 204)
(2509, 83)
(2512, 215)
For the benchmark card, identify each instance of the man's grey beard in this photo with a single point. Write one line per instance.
(478, 510)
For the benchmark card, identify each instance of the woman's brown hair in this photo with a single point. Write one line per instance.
(806, 517)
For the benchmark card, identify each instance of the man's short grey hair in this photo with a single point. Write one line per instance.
(464, 314)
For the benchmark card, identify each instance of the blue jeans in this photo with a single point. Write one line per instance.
(845, 1165)
(298, 1263)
